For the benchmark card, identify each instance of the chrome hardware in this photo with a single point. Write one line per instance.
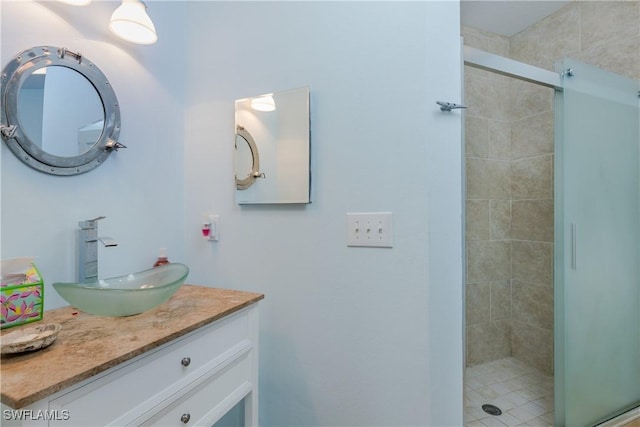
(108, 241)
(568, 73)
(113, 145)
(185, 418)
(186, 361)
(259, 175)
(63, 51)
(88, 249)
(90, 223)
(448, 106)
(8, 131)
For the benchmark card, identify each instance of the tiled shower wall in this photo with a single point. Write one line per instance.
(488, 206)
(509, 161)
(605, 34)
(509, 150)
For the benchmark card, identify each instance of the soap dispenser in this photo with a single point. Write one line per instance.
(162, 258)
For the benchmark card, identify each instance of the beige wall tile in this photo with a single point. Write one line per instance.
(488, 261)
(484, 97)
(499, 140)
(478, 296)
(499, 45)
(488, 341)
(532, 178)
(477, 74)
(532, 262)
(622, 21)
(532, 304)
(549, 40)
(477, 222)
(500, 219)
(532, 345)
(532, 220)
(532, 136)
(616, 56)
(474, 37)
(528, 99)
(485, 40)
(476, 135)
(488, 179)
(501, 300)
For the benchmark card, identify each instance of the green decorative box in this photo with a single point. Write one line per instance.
(21, 297)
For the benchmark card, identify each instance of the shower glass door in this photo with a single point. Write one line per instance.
(597, 257)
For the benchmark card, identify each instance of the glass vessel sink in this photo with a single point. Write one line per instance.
(125, 295)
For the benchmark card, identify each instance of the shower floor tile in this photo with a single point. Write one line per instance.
(524, 394)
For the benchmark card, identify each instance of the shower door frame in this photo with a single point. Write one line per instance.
(508, 67)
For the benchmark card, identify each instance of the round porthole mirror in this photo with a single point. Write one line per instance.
(60, 114)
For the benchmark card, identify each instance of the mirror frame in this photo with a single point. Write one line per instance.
(246, 182)
(14, 76)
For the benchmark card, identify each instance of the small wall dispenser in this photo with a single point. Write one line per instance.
(210, 228)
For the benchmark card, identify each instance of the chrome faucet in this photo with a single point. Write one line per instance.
(88, 249)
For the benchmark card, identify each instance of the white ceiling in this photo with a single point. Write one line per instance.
(506, 17)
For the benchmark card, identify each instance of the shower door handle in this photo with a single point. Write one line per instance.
(573, 246)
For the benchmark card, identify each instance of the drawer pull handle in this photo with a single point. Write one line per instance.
(185, 418)
(186, 361)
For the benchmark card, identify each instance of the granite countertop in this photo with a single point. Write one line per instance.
(88, 345)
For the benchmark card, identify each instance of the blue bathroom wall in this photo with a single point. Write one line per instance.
(139, 189)
(349, 336)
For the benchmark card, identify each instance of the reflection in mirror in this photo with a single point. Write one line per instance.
(244, 158)
(247, 159)
(60, 111)
(282, 149)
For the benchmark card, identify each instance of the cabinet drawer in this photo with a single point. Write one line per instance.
(211, 399)
(143, 382)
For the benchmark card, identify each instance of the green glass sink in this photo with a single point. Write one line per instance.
(125, 295)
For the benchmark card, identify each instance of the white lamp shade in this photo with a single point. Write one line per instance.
(263, 103)
(76, 2)
(131, 22)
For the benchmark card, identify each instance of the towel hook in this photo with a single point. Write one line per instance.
(448, 106)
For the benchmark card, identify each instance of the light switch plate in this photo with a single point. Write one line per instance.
(214, 226)
(372, 229)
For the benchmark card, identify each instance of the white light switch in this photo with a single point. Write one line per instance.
(372, 229)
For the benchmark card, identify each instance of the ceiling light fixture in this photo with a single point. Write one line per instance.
(131, 22)
(76, 2)
(263, 103)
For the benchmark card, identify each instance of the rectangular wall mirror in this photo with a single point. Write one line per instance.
(272, 148)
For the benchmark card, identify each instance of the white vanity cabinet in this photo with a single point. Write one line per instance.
(192, 380)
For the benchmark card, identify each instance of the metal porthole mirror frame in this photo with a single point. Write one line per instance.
(12, 130)
(246, 182)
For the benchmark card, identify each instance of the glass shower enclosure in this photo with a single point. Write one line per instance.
(597, 236)
(597, 256)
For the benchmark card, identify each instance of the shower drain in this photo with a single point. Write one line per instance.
(491, 409)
